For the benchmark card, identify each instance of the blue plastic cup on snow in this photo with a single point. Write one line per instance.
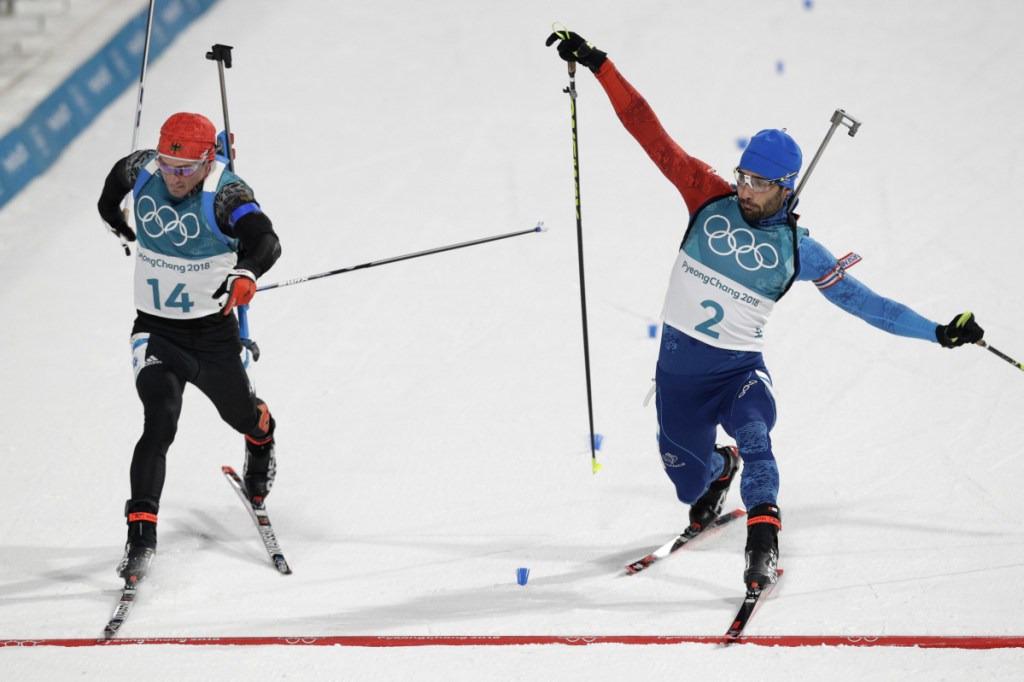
(522, 575)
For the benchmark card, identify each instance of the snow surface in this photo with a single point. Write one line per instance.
(432, 413)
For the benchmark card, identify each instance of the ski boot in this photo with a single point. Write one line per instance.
(140, 550)
(709, 506)
(762, 551)
(260, 469)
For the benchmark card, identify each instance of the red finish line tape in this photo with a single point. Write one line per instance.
(923, 642)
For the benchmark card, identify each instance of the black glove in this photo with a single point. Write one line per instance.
(963, 329)
(574, 48)
(121, 229)
(118, 225)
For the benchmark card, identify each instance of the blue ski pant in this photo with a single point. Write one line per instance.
(690, 409)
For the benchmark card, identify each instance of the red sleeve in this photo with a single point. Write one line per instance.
(694, 179)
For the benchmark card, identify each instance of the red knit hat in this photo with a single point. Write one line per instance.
(188, 137)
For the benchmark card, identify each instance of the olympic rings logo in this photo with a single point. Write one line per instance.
(749, 255)
(158, 221)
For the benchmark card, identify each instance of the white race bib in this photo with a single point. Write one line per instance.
(714, 308)
(179, 288)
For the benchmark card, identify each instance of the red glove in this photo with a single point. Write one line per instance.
(240, 286)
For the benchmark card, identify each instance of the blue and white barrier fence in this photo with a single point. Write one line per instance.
(30, 149)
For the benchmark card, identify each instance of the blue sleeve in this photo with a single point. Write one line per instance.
(845, 291)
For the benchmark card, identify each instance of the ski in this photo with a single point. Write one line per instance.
(681, 540)
(750, 603)
(124, 606)
(258, 513)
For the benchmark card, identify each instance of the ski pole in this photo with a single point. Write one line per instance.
(840, 117)
(563, 32)
(222, 55)
(1000, 354)
(309, 278)
(138, 111)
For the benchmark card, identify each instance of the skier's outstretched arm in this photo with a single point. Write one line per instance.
(842, 289)
(694, 179)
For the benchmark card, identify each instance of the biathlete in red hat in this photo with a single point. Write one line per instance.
(203, 241)
(741, 251)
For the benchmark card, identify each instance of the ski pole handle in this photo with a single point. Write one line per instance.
(1000, 354)
(563, 32)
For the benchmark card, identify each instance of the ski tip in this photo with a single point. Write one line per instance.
(227, 470)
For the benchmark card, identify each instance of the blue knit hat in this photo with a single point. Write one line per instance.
(773, 154)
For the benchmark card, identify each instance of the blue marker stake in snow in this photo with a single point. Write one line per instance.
(780, 67)
(809, 4)
(652, 331)
(741, 142)
(522, 575)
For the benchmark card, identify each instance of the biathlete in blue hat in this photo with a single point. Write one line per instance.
(741, 252)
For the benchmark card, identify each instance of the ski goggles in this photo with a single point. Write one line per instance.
(183, 171)
(756, 183)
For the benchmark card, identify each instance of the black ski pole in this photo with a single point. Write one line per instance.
(1000, 354)
(571, 91)
(309, 278)
(138, 109)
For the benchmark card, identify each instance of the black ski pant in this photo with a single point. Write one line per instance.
(166, 367)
